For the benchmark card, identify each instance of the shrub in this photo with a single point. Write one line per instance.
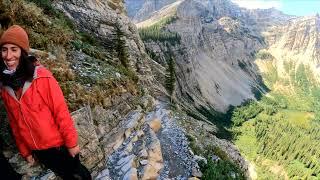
(157, 32)
(170, 76)
(220, 170)
(264, 55)
(51, 31)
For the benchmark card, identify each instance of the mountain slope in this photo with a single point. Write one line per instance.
(297, 42)
(274, 138)
(225, 55)
(141, 10)
(211, 72)
(100, 62)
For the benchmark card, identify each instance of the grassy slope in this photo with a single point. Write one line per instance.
(49, 30)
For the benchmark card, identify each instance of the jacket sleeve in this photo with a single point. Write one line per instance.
(52, 93)
(22, 147)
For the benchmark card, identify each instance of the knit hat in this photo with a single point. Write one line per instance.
(16, 35)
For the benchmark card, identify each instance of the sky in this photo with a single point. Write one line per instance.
(291, 7)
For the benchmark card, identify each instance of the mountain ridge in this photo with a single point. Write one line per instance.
(225, 56)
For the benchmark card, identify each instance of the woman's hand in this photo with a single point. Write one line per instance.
(30, 160)
(74, 151)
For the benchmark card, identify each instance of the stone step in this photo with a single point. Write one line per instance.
(138, 144)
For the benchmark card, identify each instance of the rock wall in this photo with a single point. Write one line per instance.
(139, 146)
(104, 20)
(296, 42)
(148, 146)
(142, 10)
(215, 58)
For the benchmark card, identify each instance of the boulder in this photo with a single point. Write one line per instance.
(155, 124)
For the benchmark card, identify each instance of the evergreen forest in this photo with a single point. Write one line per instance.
(280, 134)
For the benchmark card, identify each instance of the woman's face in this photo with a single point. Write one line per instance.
(11, 55)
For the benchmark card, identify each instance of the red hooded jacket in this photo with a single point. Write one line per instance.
(40, 118)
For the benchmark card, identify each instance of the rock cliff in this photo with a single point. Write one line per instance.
(105, 20)
(296, 42)
(214, 58)
(217, 49)
(213, 43)
(124, 135)
(141, 10)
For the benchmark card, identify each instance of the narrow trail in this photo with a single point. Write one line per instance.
(151, 153)
(178, 162)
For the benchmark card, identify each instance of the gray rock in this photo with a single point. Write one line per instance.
(196, 172)
(143, 153)
(199, 159)
(103, 173)
(215, 158)
(131, 175)
(143, 162)
(91, 153)
(125, 160)
(103, 19)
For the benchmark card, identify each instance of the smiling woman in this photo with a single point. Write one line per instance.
(11, 55)
(38, 114)
(14, 53)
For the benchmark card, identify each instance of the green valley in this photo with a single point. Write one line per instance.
(281, 138)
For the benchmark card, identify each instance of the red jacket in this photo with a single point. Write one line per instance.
(40, 118)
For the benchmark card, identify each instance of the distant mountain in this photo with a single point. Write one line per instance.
(219, 40)
(140, 10)
(297, 42)
(215, 54)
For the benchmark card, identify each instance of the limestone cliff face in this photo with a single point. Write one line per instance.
(219, 50)
(214, 56)
(217, 47)
(128, 137)
(141, 10)
(217, 8)
(105, 20)
(133, 7)
(298, 42)
(214, 59)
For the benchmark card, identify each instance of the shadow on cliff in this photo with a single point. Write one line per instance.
(223, 121)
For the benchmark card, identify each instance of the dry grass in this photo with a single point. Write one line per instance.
(76, 93)
(52, 32)
(44, 32)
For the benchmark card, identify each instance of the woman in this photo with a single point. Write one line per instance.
(37, 112)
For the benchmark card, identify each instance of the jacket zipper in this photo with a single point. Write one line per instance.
(28, 126)
(15, 97)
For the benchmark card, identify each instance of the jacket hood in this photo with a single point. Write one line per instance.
(41, 72)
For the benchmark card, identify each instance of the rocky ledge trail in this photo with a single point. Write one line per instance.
(156, 148)
(142, 146)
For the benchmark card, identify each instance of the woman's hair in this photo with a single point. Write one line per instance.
(25, 68)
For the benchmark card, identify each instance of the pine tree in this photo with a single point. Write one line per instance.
(121, 47)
